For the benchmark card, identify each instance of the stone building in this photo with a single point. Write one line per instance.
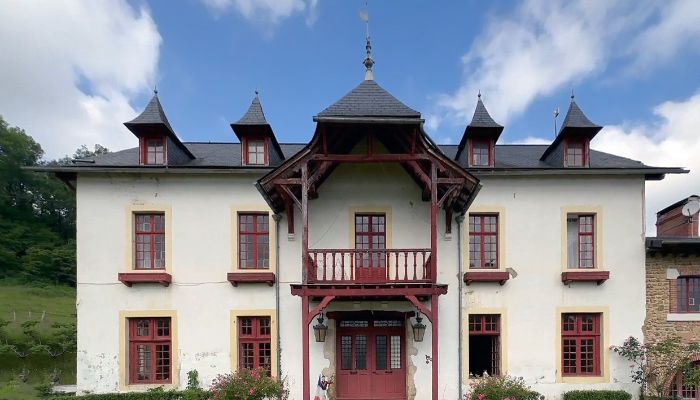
(673, 281)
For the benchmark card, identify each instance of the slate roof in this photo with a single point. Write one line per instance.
(152, 114)
(228, 155)
(482, 118)
(368, 99)
(254, 115)
(575, 118)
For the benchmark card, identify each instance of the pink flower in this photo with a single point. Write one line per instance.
(481, 396)
(251, 391)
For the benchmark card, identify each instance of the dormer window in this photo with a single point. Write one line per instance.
(576, 153)
(480, 154)
(255, 152)
(153, 151)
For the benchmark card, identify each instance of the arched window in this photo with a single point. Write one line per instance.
(684, 390)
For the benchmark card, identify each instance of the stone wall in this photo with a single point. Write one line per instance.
(661, 274)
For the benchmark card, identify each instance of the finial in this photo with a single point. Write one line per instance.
(572, 95)
(479, 95)
(155, 90)
(256, 92)
(368, 62)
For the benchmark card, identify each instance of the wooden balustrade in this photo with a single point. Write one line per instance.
(369, 266)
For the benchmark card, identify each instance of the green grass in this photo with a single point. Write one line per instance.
(56, 304)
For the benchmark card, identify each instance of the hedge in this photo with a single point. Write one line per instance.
(150, 395)
(597, 395)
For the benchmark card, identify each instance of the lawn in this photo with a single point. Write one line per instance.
(48, 305)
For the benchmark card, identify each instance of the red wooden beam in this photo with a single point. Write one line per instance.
(289, 210)
(414, 300)
(287, 181)
(451, 181)
(362, 158)
(416, 169)
(290, 195)
(313, 313)
(306, 383)
(385, 291)
(433, 220)
(448, 193)
(305, 221)
(436, 351)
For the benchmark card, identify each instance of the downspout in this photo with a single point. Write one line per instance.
(460, 220)
(277, 219)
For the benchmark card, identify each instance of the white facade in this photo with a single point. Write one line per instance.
(200, 211)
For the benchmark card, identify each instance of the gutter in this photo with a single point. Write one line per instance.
(460, 220)
(277, 218)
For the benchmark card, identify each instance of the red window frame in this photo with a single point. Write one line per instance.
(488, 325)
(149, 243)
(586, 241)
(247, 142)
(151, 148)
(151, 335)
(253, 241)
(483, 227)
(370, 234)
(575, 151)
(688, 294)
(687, 390)
(479, 144)
(580, 344)
(255, 343)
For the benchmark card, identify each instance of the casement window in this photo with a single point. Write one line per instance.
(576, 154)
(254, 343)
(580, 229)
(688, 294)
(255, 152)
(150, 350)
(149, 238)
(480, 153)
(580, 340)
(484, 344)
(483, 241)
(254, 241)
(681, 389)
(370, 234)
(153, 151)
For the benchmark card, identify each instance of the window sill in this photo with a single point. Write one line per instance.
(683, 317)
(129, 278)
(251, 277)
(597, 276)
(486, 276)
(583, 379)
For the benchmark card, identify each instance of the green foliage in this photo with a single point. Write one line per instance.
(655, 364)
(157, 394)
(193, 379)
(247, 385)
(37, 212)
(501, 388)
(597, 395)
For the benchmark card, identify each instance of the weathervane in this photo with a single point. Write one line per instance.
(556, 114)
(368, 62)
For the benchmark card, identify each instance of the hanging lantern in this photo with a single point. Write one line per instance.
(320, 329)
(418, 328)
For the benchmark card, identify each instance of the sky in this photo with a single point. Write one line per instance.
(74, 71)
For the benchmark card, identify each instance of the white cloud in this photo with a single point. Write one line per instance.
(269, 12)
(70, 69)
(671, 140)
(544, 46)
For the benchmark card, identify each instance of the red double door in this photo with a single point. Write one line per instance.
(371, 360)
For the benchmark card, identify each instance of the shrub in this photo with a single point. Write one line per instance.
(150, 395)
(500, 388)
(247, 385)
(193, 379)
(597, 395)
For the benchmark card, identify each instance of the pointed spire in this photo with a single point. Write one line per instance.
(482, 118)
(153, 114)
(255, 114)
(368, 62)
(575, 118)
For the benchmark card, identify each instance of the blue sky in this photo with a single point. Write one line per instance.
(73, 71)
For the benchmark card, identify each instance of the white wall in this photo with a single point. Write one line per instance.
(201, 219)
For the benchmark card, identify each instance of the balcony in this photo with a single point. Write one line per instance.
(355, 266)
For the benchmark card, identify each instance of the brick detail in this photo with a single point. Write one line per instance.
(662, 297)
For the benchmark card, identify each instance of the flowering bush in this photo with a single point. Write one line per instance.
(247, 385)
(501, 388)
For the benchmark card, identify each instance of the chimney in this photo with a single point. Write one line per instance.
(672, 222)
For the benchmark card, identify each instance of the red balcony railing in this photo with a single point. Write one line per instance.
(369, 266)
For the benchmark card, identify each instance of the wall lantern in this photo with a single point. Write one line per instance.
(418, 328)
(320, 329)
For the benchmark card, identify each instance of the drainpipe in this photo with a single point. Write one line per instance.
(277, 219)
(460, 220)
